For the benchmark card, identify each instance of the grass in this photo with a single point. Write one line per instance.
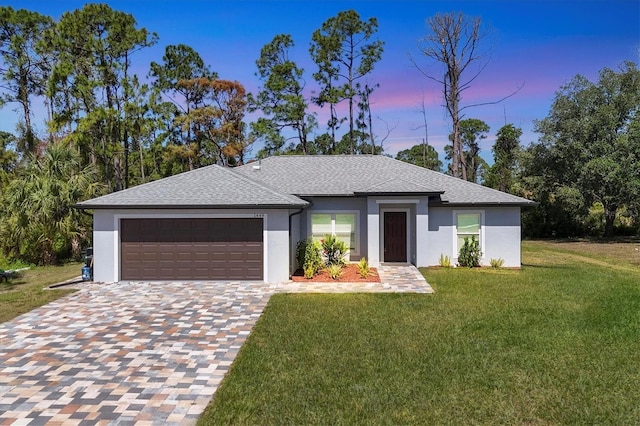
(625, 253)
(23, 294)
(554, 343)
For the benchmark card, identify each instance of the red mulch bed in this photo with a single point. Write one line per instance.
(349, 275)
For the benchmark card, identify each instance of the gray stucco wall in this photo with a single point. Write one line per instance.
(295, 237)
(501, 232)
(106, 238)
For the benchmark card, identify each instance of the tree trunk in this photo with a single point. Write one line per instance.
(609, 219)
(48, 255)
(302, 135)
(452, 96)
(126, 124)
(351, 142)
(117, 170)
(76, 249)
(29, 142)
(142, 177)
(334, 121)
(373, 141)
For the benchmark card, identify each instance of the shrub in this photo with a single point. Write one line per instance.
(309, 271)
(301, 248)
(470, 254)
(363, 268)
(445, 261)
(334, 271)
(497, 263)
(334, 250)
(308, 257)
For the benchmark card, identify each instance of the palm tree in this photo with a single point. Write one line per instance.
(39, 220)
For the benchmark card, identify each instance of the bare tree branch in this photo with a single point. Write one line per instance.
(455, 41)
(494, 102)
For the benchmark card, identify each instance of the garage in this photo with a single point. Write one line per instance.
(192, 249)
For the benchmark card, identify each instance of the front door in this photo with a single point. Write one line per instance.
(395, 237)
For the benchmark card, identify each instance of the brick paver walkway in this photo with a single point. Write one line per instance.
(144, 353)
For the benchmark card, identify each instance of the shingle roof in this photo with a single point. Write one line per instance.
(278, 182)
(398, 186)
(348, 175)
(211, 186)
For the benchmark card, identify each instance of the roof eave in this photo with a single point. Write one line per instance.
(413, 193)
(485, 204)
(186, 206)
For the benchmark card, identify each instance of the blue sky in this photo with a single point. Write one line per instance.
(540, 44)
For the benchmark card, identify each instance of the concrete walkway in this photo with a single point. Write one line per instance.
(144, 353)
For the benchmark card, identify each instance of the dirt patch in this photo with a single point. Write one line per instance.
(349, 275)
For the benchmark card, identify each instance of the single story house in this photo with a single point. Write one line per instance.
(243, 223)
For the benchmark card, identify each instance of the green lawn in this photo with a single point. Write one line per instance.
(555, 343)
(23, 294)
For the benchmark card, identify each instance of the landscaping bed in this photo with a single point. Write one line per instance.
(349, 275)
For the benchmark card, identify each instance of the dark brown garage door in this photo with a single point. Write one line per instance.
(191, 249)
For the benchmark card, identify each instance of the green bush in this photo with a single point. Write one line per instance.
(308, 257)
(334, 250)
(309, 271)
(445, 261)
(334, 271)
(364, 270)
(470, 254)
(301, 249)
(497, 263)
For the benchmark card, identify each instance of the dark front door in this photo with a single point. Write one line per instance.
(395, 237)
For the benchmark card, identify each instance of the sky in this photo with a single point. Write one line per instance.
(534, 46)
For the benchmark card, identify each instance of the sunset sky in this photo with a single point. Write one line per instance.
(539, 45)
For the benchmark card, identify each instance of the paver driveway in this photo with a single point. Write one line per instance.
(125, 352)
(144, 353)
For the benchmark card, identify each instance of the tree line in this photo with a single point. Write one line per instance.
(108, 128)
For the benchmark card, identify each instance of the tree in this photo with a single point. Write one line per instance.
(505, 158)
(360, 142)
(343, 50)
(8, 157)
(421, 155)
(472, 131)
(39, 220)
(589, 142)
(454, 40)
(281, 98)
(180, 63)
(364, 122)
(25, 66)
(220, 136)
(87, 88)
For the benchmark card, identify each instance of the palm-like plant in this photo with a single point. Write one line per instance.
(39, 220)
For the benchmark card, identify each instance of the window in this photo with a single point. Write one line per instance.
(342, 225)
(468, 225)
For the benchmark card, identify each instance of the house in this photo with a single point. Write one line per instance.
(217, 223)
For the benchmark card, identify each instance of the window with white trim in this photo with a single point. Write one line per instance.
(343, 225)
(468, 225)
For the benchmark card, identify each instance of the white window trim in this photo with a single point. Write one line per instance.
(355, 251)
(455, 248)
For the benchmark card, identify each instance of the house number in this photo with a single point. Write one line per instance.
(258, 215)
